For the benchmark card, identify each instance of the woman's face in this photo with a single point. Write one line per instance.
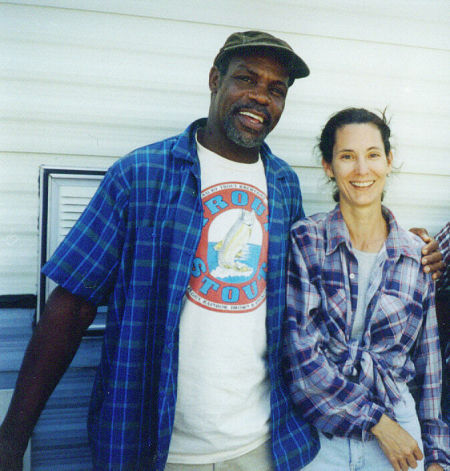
(359, 165)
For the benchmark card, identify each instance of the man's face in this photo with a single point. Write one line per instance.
(248, 100)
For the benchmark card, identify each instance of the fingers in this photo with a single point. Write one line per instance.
(436, 268)
(404, 461)
(397, 444)
(421, 232)
(430, 247)
(435, 467)
(432, 259)
(418, 454)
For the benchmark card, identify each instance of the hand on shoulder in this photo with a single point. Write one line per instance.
(432, 257)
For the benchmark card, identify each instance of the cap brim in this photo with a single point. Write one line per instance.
(297, 68)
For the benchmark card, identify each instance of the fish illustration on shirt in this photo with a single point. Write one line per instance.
(235, 241)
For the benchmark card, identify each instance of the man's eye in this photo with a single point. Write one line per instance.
(346, 156)
(279, 92)
(374, 155)
(244, 78)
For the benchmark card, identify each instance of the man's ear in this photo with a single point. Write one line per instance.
(328, 170)
(214, 79)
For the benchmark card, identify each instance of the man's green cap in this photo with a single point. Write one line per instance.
(254, 41)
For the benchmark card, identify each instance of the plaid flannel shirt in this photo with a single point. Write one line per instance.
(343, 386)
(443, 239)
(133, 246)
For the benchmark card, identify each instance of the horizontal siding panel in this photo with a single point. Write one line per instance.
(419, 23)
(19, 211)
(60, 438)
(86, 81)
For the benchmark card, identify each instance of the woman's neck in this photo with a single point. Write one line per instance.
(367, 227)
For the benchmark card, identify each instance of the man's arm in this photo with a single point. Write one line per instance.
(49, 353)
(432, 257)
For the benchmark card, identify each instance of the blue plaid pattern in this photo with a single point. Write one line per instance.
(133, 248)
(341, 385)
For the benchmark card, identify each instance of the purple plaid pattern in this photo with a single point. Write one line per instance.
(341, 385)
(443, 239)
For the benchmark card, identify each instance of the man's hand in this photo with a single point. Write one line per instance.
(397, 444)
(432, 257)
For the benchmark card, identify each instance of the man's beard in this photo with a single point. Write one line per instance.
(247, 140)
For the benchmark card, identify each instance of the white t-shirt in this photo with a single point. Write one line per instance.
(223, 403)
(366, 263)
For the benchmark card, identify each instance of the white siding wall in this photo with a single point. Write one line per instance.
(85, 81)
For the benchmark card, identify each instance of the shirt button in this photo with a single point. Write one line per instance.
(352, 276)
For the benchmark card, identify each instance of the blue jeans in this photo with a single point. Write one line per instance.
(346, 454)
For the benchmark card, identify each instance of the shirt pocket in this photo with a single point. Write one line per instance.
(151, 250)
(394, 319)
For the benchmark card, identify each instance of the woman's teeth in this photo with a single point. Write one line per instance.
(362, 184)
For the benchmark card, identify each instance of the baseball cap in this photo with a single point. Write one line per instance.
(258, 40)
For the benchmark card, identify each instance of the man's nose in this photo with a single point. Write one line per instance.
(260, 94)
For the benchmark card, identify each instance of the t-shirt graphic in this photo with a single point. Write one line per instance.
(229, 269)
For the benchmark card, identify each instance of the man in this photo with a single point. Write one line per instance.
(186, 240)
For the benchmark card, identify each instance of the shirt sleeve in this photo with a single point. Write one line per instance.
(427, 361)
(86, 261)
(327, 399)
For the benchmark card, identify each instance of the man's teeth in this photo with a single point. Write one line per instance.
(362, 184)
(254, 116)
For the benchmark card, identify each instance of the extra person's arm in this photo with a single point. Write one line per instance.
(432, 258)
(49, 353)
(428, 381)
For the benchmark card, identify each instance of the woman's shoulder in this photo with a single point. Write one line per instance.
(310, 231)
(411, 243)
(311, 223)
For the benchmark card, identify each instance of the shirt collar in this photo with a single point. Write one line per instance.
(399, 241)
(186, 149)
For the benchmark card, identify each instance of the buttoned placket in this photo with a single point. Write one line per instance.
(350, 266)
(190, 171)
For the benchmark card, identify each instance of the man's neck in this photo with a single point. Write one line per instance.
(227, 148)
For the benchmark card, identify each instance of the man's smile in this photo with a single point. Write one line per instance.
(253, 116)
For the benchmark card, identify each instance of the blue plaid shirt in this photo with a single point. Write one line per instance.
(343, 386)
(133, 247)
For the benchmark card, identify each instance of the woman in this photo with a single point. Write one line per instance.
(361, 318)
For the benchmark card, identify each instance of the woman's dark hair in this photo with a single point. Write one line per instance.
(351, 116)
